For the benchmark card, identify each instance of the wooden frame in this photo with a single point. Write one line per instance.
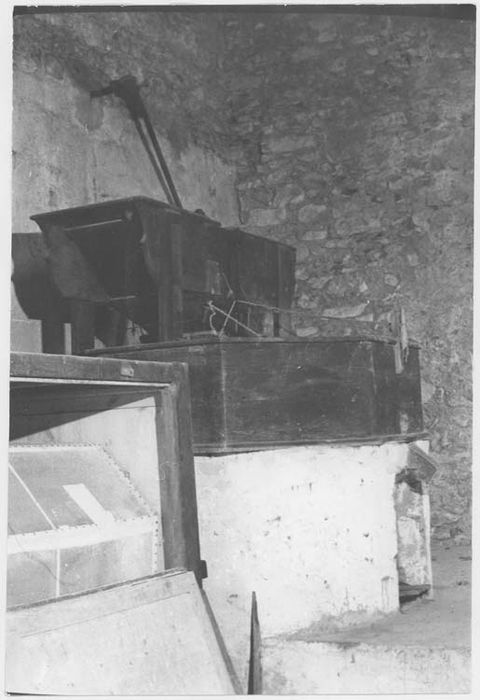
(33, 374)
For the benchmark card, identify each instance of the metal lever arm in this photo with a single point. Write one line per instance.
(127, 89)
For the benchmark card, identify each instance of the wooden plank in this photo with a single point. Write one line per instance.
(100, 213)
(164, 290)
(157, 252)
(152, 636)
(409, 392)
(427, 541)
(422, 464)
(221, 645)
(286, 286)
(413, 530)
(176, 231)
(65, 413)
(194, 250)
(297, 392)
(82, 315)
(277, 320)
(174, 482)
(178, 492)
(74, 399)
(70, 367)
(387, 418)
(207, 339)
(255, 663)
(246, 446)
(53, 329)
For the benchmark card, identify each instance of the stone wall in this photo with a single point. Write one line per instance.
(71, 150)
(348, 136)
(354, 139)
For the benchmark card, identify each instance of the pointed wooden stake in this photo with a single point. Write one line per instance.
(255, 665)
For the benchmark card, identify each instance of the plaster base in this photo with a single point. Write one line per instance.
(312, 530)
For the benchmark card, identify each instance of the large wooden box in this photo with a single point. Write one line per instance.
(138, 270)
(102, 483)
(253, 394)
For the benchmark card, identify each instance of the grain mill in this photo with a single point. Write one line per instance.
(169, 339)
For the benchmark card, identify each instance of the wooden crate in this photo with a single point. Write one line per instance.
(253, 394)
(137, 270)
(138, 413)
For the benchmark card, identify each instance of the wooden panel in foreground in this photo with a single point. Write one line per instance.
(152, 636)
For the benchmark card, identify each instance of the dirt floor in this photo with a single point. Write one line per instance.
(442, 621)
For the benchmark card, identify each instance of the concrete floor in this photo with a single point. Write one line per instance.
(424, 648)
(441, 621)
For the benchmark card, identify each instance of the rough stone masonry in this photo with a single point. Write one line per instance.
(348, 136)
(355, 144)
